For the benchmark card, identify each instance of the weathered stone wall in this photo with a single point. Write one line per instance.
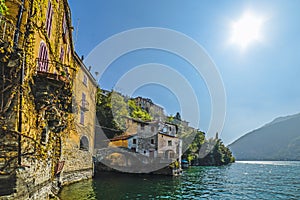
(32, 181)
(75, 176)
(78, 163)
(132, 127)
(165, 150)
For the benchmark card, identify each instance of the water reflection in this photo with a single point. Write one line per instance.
(128, 186)
(236, 181)
(80, 191)
(123, 186)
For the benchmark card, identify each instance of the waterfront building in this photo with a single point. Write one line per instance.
(47, 102)
(155, 140)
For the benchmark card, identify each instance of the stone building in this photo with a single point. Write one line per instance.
(169, 146)
(47, 102)
(156, 140)
(147, 105)
(80, 144)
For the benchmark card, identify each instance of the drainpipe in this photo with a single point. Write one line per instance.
(16, 40)
(18, 25)
(20, 111)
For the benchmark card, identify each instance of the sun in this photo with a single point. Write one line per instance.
(246, 30)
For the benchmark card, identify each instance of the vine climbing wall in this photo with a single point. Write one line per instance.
(37, 74)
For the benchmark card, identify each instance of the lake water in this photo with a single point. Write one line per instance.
(241, 180)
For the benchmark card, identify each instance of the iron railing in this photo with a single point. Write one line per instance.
(52, 67)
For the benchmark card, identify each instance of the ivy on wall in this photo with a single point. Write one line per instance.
(3, 7)
(49, 115)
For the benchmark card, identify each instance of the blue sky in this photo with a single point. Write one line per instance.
(261, 82)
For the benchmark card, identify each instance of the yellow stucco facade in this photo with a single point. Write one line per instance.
(51, 114)
(119, 143)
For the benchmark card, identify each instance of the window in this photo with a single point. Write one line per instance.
(43, 58)
(165, 129)
(49, 18)
(44, 136)
(84, 143)
(64, 25)
(68, 53)
(134, 141)
(85, 80)
(170, 128)
(142, 126)
(83, 100)
(170, 143)
(62, 53)
(65, 29)
(152, 141)
(152, 129)
(82, 117)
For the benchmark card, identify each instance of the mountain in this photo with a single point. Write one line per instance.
(277, 140)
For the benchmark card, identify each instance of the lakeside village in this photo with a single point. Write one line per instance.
(50, 103)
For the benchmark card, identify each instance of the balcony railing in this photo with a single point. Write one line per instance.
(8, 30)
(52, 69)
(84, 105)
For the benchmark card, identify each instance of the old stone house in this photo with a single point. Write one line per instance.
(156, 140)
(156, 111)
(169, 145)
(47, 102)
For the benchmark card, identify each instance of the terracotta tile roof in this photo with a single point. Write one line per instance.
(121, 137)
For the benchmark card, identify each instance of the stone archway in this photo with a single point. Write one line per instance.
(84, 143)
(169, 154)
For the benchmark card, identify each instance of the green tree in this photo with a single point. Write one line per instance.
(170, 119)
(119, 110)
(193, 149)
(214, 151)
(137, 112)
(111, 110)
(177, 116)
(219, 155)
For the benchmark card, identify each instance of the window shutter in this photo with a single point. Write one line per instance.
(49, 17)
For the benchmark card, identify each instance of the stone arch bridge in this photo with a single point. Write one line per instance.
(123, 160)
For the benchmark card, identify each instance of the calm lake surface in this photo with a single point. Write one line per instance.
(241, 180)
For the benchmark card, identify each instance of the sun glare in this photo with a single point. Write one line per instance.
(246, 30)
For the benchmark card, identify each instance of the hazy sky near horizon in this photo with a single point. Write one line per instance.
(261, 79)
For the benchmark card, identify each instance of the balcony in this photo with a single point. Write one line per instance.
(8, 30)
(84, 105)
(52, 70)
(52, 86)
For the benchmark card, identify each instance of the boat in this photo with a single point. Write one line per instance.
(184, 164)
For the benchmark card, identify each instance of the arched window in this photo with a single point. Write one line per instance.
(84, 143)
(43, 58)
(49, 18)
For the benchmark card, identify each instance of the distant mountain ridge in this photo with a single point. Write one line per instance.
(280, 119)
(277, 140)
